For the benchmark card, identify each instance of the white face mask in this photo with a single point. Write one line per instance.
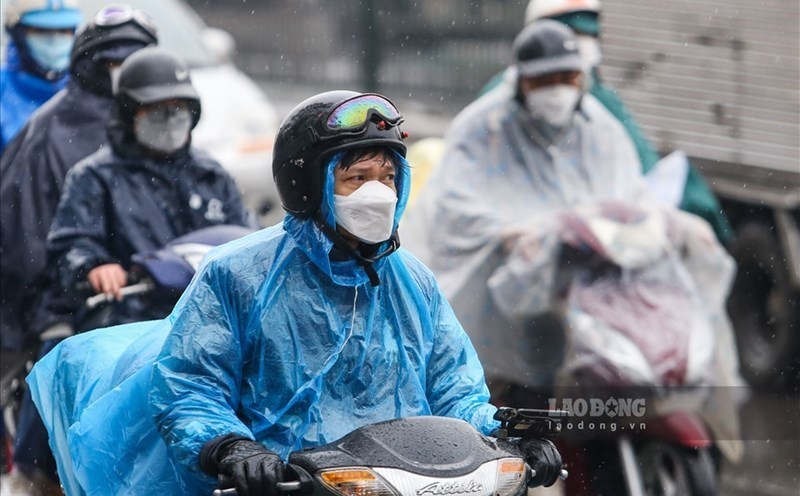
(553, 104)
(589, 50)
(164, 129)
(50, 51)
(368, 212)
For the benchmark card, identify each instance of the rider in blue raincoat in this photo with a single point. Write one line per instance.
(37, 55)
(288, 338)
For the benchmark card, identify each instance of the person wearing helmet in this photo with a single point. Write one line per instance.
(33, 167)
(334, 266)
(513, 158)
(37, 56)
(149, 186)
(288, 338)
(583, 17)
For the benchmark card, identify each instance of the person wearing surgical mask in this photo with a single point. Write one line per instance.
(160, 187)
(34, 164)
(332, 317)
(147, 184)
(551, 77)
(584, 18)
(164, 127)
(37, 58)
(513, 159)
(553, 98)
(365, 196)
(288, 338)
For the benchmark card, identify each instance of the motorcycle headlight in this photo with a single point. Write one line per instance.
(510, 476)
(355, 482)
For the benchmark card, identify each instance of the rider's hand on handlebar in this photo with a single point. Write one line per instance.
(109, 279)
(253, 469)
(544, 458)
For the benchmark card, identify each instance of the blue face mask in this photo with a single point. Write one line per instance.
(50, 50)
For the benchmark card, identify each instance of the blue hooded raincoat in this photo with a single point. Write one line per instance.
(276, 339)
(20, 94)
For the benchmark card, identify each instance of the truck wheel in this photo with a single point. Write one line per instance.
(764, 309)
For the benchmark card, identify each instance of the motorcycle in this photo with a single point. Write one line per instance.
(636, 329)
(641, 351)
(419, 456)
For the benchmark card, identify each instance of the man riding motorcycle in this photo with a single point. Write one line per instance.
(515, 161)
(56, 137)
(519, 151)
(584, 18)
(293, 336)
(69, 127)
(149, 187)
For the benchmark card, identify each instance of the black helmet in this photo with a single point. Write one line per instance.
(152, 75)
(115, 24)
(544, 47)
(321, 126)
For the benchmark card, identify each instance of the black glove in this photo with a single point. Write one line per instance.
(252, 469)
(544, 458)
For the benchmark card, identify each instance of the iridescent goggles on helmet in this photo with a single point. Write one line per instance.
(355, 114)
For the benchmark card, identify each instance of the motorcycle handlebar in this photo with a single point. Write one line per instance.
(134, 289)
(561, 475)
(302, 482)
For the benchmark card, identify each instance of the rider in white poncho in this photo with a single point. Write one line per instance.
(505, 168)
(515, 159)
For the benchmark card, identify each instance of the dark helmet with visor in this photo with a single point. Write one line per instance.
(151, 75)
(318, 128)
(544, 47)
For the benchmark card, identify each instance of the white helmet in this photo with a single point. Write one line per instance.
(43, 14)
(538, 9)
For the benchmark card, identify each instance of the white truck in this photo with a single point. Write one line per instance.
(720, 79)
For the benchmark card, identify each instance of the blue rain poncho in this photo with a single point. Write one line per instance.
(21, 93)
(277, 339)
(501, 176)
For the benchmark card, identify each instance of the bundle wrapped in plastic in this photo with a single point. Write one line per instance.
(642, 294)
(635, 312)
